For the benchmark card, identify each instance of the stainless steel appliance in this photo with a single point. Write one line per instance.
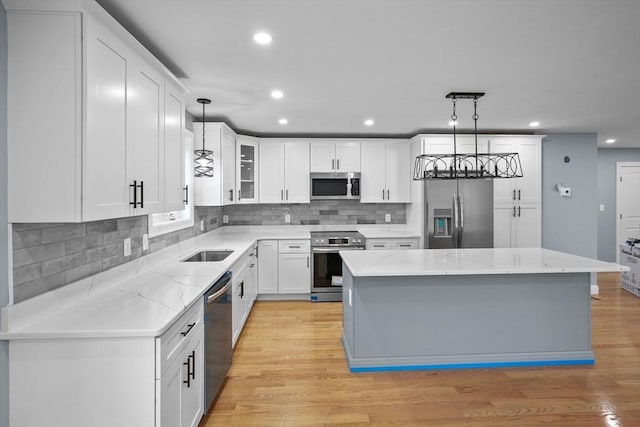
(339, 185)
(459, 213)
(326, 264)
(217, 336)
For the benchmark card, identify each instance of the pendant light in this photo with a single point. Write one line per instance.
(466, 166)
(203, 160)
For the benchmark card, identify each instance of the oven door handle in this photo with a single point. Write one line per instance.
(335, 250)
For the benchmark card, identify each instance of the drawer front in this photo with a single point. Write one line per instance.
(405, 244)
(377, 244)
(168, 344)
(293, 246)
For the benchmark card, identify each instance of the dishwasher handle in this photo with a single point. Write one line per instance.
(213, 297)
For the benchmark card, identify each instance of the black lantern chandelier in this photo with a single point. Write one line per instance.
(467, 166)
(203, 160)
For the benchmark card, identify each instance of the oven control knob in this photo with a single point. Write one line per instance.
(321, 240)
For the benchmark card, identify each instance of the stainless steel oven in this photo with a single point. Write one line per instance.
(326, 264)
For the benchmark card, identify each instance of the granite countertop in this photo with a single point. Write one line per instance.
(439, 262)
(142, 298)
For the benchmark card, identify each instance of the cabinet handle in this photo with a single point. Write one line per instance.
(141, 194)
(518, 211)
(189, 328)
(388, 197)
(333, 164)
(287, 194)
(378, 246)
(135, 193)
(251, 265)
(383, 194)
(281, 194)
(405, 245)
(231, 195)
(188, 365)
(294, 246)
(518, 194)
(514, 211)
(193, 364)
(338, 163)
(514, 195)
(242, 289)
(307, 261)
(186, 195)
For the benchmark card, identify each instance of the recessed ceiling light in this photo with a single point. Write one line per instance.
(369, 122)
(534, 124)
(610, 141)
(453, 122)
(276, 94)
(283, 121)
(262, 38)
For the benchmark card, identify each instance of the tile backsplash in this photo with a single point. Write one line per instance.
(49, 255)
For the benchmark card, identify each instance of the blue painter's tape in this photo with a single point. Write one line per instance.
(473, 365)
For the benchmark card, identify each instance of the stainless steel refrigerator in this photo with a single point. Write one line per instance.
(459, 213)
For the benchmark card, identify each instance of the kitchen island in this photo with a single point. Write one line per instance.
(467, 308)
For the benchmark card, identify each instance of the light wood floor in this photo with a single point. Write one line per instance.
(289, 369)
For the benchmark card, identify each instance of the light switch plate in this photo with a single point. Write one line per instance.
(225, 219)
(601, 208)
(287, 218)
(145, 242)
(127, 246)
(387, 217)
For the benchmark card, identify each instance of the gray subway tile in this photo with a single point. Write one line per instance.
(38, 286)
(27, 238)
(95, 227)
(129, 223)
(83, 243)
(38, 253)
(27, 273)
(109, 226)
(113, 261)
(63, 263)
(86, 270)
(63, 232)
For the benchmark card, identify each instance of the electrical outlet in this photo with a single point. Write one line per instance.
(225, 219)
(565, 191)
(127, 246)
(145, 242)
(601, 208)
(287, 218)
(387, 217)
(202, 225)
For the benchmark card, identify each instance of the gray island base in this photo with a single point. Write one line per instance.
(401, 317)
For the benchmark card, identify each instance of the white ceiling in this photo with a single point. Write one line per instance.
(572, 65)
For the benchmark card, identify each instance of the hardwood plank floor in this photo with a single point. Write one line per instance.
(289, 369)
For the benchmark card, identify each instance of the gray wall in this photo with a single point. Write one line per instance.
(607, 159)
(4, 268)
(570, 224)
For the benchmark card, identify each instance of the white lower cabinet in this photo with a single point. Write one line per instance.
(106, 382)
(245, 290)
(378, 244)
(284, 267)
(516, 226)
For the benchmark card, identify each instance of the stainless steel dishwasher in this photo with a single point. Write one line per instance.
(217, 336)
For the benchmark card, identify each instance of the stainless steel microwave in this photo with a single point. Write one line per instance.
(338, 185)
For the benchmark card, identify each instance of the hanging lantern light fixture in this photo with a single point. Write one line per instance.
(466, 166)
(203, 159)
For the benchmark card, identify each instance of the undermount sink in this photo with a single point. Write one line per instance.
(208, 256)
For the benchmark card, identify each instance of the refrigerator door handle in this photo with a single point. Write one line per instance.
(456, 217)
(461, 228)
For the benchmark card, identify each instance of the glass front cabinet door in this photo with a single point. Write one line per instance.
(247, 169)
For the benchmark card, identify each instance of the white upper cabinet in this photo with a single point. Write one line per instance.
(175, 187)
(98, 150)
(327, 156)
(246, 169)
(386, 172)
(284, 172)
(220, 189)
(525, 190)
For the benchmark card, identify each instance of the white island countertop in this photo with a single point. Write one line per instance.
(440, 262)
